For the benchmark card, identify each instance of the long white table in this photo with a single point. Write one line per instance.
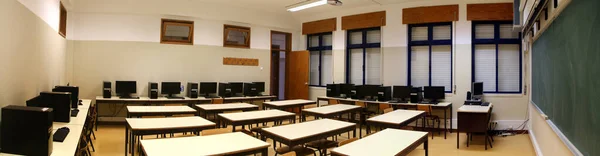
(387, 142)
(139, 111)
(222, 144)
(285, 104)
(396, 119)
(255, 117)
(149, 126)
(206, 109)
(301, 133)
(331, 111)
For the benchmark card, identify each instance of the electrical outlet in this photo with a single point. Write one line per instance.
(510, 128)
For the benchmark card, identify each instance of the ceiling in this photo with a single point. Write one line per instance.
(280, 5)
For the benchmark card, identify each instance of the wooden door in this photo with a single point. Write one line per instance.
(296, 75)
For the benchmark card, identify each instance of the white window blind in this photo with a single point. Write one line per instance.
(373, 66)
(327, 67)
(356, 38)
(314, 41)
(356, 69)
(419, 34)
(314, 68)
(506, 32)
(374, 36)
(441, 66)
(327, 40)
(485, 66)
(484, 31)
(508, 68)
(419, 66)
(442, 32)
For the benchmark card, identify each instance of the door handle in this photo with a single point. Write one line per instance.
(305, 83)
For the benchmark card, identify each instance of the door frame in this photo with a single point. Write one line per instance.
(287, 50)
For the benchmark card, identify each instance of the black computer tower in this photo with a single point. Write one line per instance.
(385, 93)
(26, 130)
(416, 95)
(333, 90)
(224, 90)
(74, 90)
(60, 102)
(153, 90)
(192, 91)
(106, 89)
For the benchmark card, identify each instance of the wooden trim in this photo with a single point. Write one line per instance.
(320, 26)
(163, 29)
(366, 20)
(490, 12)
(62, 26)
(430, 14)
(227, 28)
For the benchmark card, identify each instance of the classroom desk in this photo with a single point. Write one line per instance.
(445, 106)
(255, 117)
(236, 143)
(473, 119)
(386, 142)
(331, 111)
(301, 133)
(396, 119)
(206, 109)
(285, 104)
(149, 126)
(249, 99)
(140, 111)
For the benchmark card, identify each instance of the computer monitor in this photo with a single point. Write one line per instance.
(368, 92)
(74, 90)
(402, 93)
(477, 89)
(125, 88)
(170, 88)
(249, 89)
(224, 90)
(333, 90)
(208, 88)
(346, 90)
(36, 102)
(237, 88)
(434, 93)
(384, 93)
(260, 87)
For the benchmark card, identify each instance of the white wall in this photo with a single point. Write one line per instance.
(510, 110)
(32, 53)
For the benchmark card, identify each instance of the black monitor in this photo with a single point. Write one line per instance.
(170, 88)
(36, 102)
(208, 88)
(477, 90)
(250, 89)
(368, 92)
(260, 87)
(74, 90)
(333, 90)
(434, 93)
(237, 88)
(346, 90)
(125, 88)
(224, 90)
(401, 93)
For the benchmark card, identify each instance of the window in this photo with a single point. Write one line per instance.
(236, 36)
(496, 57)
(62, 26)
(177, 32)
(321, 59)
(430, 55)
(363, 56)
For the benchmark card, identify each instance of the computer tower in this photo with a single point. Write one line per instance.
(60, 102)
(106, 89)
(153, 90)
(416, 95)
(26, 130)
(333, 90)
(192, 91)
(74, 90)
(224, 90)
(385, 93)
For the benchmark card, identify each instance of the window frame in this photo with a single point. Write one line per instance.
(320, 48)
(430, 42)
(163, 28)
(496, 41)
(364, 46)
(228, 28)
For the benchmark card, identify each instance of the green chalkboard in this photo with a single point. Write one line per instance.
(566, 74)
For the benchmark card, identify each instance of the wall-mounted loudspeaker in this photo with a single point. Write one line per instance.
(153, 90)
(192, 91)
(106, 89)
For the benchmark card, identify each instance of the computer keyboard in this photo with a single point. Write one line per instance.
(175, 98)
(212, 97)
(129, 97)
(74, 112)
(429, 102)
(60, 134)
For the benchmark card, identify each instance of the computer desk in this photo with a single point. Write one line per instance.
(236, 143)
(473, 119)
(255, 117)
(249, 98)
(285, 104)
(396, 119)
(332, 111)
(137, 127)
(140, 111)
(301, 133)
(386, 142)
(205, 109)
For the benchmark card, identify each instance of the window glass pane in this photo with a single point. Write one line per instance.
(374, 36)
(484, 31)
(327, 40)
(419, 66)
(485, 66)
(327, 67)
(441, 32)
(355, 38)
(506, 32)
(419, 34)
(441, 66)
(356, 63)
(177, 32)
(373, 66)
(314, 68)
(278, 41)
(313, 41)
(508, 68)
(236, 37)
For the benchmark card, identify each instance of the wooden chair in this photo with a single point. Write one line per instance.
(217, 101)
(292, 153)
(83, 148)
(342, 143)
(428, 116)
(333, 102)
(215, 131)
(382, 107)
(87, 131)
(387, 110)
(298, 150)
(322, 145)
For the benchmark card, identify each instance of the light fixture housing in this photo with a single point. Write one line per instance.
(306, 4)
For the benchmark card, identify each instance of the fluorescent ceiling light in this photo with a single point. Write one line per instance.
(307, 4)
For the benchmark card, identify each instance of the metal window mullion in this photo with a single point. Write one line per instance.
(320, 61)
(364, 63)
(409, 55)
(497, 40)
(429, 39)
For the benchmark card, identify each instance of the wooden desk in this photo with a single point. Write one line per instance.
(236, 143)
(386, 142)
(473, 119)
(331, 111)
(206, 109)
(255, 117)
(285, 104)
(301, 133)
(249, 99)
(147, 126)
(396, 119)
(139, 111)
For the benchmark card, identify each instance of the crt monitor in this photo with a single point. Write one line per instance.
(208, 88)
(346, 89)
(170, 88)
(401, 92)
(365, 91)
(74, 90)
(477, 89)
(434, 93)
(126, 88)
(249, 89)
(237, 88)
(260, 86)
(333, 90)
(224, 90)
(36, 102)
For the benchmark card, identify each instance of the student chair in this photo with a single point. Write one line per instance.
(342, 143)
(322, 145)
(217, 101)
(88, 130)
(387, 110)
(428, 117)
(333, 102)
(215, 131)
(298, 150)
(382, 107)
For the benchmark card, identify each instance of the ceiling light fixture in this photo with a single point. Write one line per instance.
(306, 4)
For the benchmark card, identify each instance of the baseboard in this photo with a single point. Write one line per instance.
(536, 146)
(502, 125)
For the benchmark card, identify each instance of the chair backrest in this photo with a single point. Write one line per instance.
(292, 153)
(334, 101)
(426, 108)
(361, 104)
(217, 101)
(342, 143)
(387, 110)
(384, 106)
(215, 131)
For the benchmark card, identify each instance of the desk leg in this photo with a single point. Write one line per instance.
(354, 132)
(445, 123)
(96, 111)
(451, 120)
(126, 137)
(426, 145)
(264, 152)
(457, 138)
